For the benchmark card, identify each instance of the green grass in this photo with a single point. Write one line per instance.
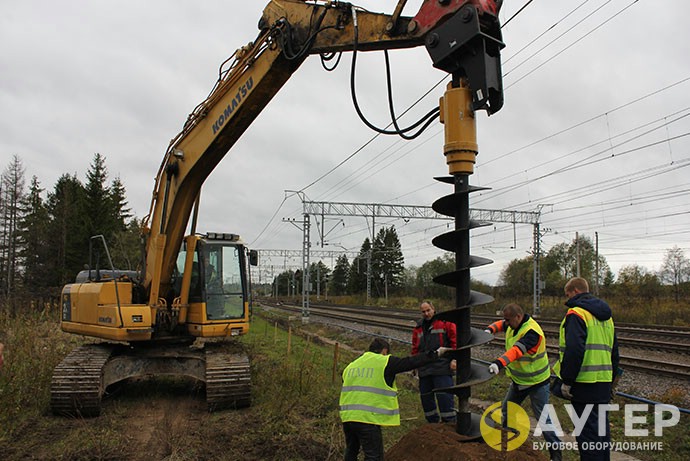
(294, 413)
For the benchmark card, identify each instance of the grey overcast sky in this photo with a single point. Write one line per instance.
(593, 131)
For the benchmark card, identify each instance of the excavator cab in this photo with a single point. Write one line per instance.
(218, 294)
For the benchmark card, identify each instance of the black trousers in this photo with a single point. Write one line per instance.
(593, 444)
(365, 436)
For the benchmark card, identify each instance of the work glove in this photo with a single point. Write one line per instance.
(488, 331)
(493, 369)
(565, 390)
(442, 350)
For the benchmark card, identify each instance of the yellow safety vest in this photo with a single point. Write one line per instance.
(365, 397)
(596, 364)
(529, 369)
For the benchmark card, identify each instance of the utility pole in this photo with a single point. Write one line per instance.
(305, 269)
(596, 263)
(577, 255)
(318, 281)
(369, 254)
(536, 273)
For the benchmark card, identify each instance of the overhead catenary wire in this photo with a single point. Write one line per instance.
(669, 138)
(425, 121)
(571, 45)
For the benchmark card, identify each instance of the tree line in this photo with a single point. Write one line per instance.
(44, 243)
(44, 235)
(580, 258)
(378, 267)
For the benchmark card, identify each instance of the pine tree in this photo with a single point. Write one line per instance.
(12, 196)
(34, 238)
(118, 203)
(387, 261)
(357, 279)
(98, 206)
(338, 283)
(68, 234)
(126, 237)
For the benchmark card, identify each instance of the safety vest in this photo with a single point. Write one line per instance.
(365, 397)
(532, 368)
(596, 364)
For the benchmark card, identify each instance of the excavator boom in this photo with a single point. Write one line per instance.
(291, 30)
(196, 286)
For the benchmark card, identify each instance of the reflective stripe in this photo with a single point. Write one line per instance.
(437, 331)
(598, 347)
(373, 390)
(532, 358)
(380, 411)
(596, 368)
(530, 374)
(532, 368)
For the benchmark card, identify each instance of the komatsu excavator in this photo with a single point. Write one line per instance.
(196, 286)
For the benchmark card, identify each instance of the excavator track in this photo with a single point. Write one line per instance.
(80, 380)
(77, 384)
(228, 378)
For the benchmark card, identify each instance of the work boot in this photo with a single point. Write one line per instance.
(555, 454)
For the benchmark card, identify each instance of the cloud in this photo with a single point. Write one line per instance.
(120, 78)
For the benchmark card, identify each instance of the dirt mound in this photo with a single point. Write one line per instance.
(441, 442)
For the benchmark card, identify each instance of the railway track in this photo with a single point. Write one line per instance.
(671, 339)
(674, 341)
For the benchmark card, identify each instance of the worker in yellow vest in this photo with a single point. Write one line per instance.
(586, 363)
(526, 363)
(369, 397)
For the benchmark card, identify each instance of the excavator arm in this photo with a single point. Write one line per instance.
(202, 293)
(290, 30)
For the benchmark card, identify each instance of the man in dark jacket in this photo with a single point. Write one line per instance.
(369, 398)
(429, 335)
(586, 364)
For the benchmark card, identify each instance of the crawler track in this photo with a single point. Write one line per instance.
(228, 379)
(80, 381)
(77, 385)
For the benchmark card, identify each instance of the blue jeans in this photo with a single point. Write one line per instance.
(538, 397)
(589, 437)
(368, 437)
(445, 401)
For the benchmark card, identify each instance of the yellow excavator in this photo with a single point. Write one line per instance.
(193, 288)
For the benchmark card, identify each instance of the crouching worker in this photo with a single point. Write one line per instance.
(527, 365)
(369, 398)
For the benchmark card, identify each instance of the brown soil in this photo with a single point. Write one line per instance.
(441, 442)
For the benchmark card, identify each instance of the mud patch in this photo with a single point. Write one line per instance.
(442, 442)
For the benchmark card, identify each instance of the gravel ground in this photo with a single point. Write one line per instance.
(656, 388)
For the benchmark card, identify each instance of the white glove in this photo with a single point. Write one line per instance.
(488, 331)
(493, 369)
(565, 390)
(442, 350)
